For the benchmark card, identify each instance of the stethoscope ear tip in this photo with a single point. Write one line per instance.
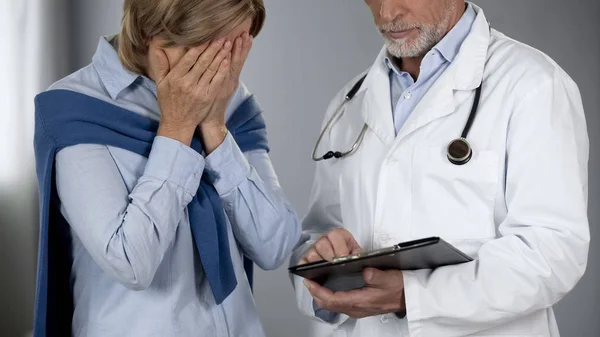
(331, 154)
(328, 155)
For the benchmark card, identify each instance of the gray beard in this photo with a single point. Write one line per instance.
(428, 36)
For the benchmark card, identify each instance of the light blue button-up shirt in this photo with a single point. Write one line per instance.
(405, 92)
(136, 271)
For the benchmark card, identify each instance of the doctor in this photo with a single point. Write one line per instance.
(460, 132)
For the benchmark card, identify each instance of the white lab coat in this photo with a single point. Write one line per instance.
(519, 207)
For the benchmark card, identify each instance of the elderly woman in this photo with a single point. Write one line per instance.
(156, 188)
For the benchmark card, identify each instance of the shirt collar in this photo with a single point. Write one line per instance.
(114, 76)
(450, 45)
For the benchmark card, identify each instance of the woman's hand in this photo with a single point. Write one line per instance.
(213, 126)
(187, 93)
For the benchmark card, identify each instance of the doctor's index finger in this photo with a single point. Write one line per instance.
(343, 242)
(313, 255)
(325, 249)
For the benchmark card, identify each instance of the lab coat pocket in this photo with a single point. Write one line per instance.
(451, 201)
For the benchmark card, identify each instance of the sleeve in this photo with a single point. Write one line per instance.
(127, 234)
(543, 246)
(263, 221)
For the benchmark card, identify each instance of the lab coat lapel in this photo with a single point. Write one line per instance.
(464, 74)
(377, 107)
(437, 103)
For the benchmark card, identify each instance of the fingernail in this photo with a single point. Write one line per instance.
(227, 45)
(220, 41)
(368, 275)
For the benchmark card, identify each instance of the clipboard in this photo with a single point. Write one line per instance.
(345, 273)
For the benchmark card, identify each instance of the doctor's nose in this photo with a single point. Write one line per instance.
(391, 10)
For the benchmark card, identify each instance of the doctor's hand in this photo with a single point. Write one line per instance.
(213, 127)
(338, 242)
(188, 90)
(383, 294)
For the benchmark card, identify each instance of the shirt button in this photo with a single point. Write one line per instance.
(384, 319)
(392, 161)
(408, 95)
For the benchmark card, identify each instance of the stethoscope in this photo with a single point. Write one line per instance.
(459, 151)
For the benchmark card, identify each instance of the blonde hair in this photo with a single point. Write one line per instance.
(181, 23)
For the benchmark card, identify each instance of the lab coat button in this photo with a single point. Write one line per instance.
(384, 319)
(384, 238)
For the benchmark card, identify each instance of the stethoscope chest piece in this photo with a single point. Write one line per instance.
(459, 151)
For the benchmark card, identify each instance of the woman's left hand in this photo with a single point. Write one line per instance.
(213, 127)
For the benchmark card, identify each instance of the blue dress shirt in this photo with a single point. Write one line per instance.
(136, 271)
(405, 92)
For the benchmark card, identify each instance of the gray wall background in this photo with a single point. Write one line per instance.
(306, 52)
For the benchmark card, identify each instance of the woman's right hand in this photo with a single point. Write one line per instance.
(187, 92)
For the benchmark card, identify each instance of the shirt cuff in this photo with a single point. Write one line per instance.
(325, 315)
(226, 167)
(175, 162)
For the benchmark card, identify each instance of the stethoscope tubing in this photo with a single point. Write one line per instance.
(459, 150)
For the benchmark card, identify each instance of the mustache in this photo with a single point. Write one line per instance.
(397, 26)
